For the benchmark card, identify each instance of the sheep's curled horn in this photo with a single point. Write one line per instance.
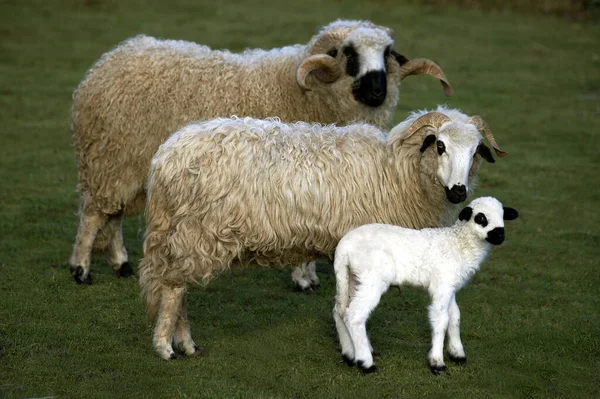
(483, 127)
(437, 119)
(423, 66)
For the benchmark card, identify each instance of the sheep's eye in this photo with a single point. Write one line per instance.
(441, 147)
(332, 53)
(481, 219)
(350, 52)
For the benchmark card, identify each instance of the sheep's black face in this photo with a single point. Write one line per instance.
(370, 85)
(495, 236)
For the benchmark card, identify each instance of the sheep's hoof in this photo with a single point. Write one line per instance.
(348, 360)
(438, 370)
(198, 351)
(457, 359)
(173, 356)
(306, 290)
(366, 370)
(80, 276)
(125, 270)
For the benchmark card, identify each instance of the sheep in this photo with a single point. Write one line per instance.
(139, 93)
(277, 193)
(371, 258)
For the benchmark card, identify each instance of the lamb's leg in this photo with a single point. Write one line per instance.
(119, 260)
(438, 318)
(344, 336)
(367, 296)
(305, 277)
(90, 221)
(182, 341)
(455, 348)
(170, 309)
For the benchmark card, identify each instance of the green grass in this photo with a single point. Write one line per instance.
(530, 318)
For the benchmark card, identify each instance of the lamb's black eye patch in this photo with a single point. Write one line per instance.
(352, 63)
(332, 53)
(481, 219)
(441, 147)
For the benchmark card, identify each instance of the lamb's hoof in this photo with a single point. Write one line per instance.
(366, 370)
(348, 360)
(80, 276)
(457, 359)
(438, 370)
(125, 270)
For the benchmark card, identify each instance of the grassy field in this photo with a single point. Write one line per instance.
(530, 325)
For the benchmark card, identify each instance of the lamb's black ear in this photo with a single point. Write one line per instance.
(485, 153)
(429, 140)
(399, 58)
(510, 213)
(466, 214)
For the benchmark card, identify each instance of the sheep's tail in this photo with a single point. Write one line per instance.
(343, 283)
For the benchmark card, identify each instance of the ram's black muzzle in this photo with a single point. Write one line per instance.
(371, 88)
(457, 194)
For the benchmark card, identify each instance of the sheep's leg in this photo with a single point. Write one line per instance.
(170, 309)
(119, 260)
(89, 223)
(438, 318)
(344, 336)
(455, 348)
(366, 298)
(305, 277)
(182, 340)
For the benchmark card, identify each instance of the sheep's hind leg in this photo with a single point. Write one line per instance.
(90, 222)
(171, 303)
(305, 277)
(365, 299)
(182, 340)
(438, 318)
(119, 261)
(455, 349)
(344, 337)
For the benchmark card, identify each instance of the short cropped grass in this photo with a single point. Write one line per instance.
(530, 318)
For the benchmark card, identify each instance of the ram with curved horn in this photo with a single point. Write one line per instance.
(209, 203)
(145, 89)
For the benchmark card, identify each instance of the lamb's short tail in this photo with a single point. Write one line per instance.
(343, 283)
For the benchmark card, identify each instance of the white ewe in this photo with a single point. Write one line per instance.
(371, 258)
(286, 193)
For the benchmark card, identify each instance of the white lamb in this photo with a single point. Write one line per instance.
(371, 258)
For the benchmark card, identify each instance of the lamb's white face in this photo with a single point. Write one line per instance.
(486, 216)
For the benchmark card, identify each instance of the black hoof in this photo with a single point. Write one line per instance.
(438, 370)
(349, 361)
(173, 356)
(79, 275)
(366, 370)
(307, 291)
(198, 351)
(125, 270)
(457, 359)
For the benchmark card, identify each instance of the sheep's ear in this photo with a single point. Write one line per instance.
(510, 213)
(399, 58)
(466, 214)
(322, 66)
(429, 140)
(485, 153)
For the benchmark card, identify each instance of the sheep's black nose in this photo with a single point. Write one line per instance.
(457, 194)
(495, 236)
(371, 89)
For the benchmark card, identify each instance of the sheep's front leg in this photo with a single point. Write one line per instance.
(367, 296)
(170, 309)
(438, 318)
(305, 277)
(455, 348)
